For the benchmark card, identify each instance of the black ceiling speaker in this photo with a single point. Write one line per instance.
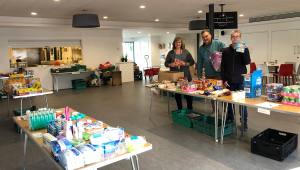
(197, 25)
(85, 21)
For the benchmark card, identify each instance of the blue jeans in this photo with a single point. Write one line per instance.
(233, 87)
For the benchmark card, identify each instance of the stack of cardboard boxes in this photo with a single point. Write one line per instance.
(113, 78)
(252, 84)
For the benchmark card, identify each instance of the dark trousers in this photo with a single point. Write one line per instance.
(189, 100)
(233, 87)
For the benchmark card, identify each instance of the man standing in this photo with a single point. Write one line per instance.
(233, 65)
(205, 51)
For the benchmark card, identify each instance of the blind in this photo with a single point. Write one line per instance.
(43, 43)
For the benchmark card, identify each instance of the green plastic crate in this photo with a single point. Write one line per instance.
(178, 116)
(171, 94)
(111, 68)
(79, 86)
(79, 67)
(17, 112)
(207, 125)
(78, 82)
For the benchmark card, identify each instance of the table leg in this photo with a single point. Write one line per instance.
(216, 120)
(46, 101)
(25, 150)
(53, 80)
(205, 101)
(221, 141)
(234, 113)
(151, 101)
(56, 82)
(132, 164)
(168, 102)
(21, 112)
(224, 121)
(276, 72)
(242, 120)
(137, 162)
(7, 104)
(30, 101)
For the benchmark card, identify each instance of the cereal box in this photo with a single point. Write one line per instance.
(240, 47)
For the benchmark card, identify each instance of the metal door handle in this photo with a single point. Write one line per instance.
(298, 48)
(294, 49)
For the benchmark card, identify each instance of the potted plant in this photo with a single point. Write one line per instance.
(122, 59)
(126, 57)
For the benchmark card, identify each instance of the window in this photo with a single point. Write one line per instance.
(128, 49)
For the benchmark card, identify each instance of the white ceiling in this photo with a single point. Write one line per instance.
(167, 11)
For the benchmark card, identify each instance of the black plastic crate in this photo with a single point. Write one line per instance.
(274, 144)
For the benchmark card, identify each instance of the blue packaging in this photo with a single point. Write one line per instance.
(240, 47)
(254, 79)
(58, 146)
(253, 91)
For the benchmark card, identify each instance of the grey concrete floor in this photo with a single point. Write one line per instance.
(175, 147)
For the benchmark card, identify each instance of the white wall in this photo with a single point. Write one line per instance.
(190, 41)
(98, 46)
(155, 52)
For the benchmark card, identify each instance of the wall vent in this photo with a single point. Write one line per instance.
(275, 17)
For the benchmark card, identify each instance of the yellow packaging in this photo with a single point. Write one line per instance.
(36, 85)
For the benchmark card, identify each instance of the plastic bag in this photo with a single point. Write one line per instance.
(215, 60)
(104, 66)
(71, 159)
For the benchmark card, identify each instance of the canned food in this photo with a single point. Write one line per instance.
(297, 100)
(286, 89)
(269, 96)
(274, 97)
(294, 90)
(292, 99)
(269, 87)
(286, 98)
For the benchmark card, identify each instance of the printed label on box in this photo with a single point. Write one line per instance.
(219, 83)
(247, 78)
(247, 90)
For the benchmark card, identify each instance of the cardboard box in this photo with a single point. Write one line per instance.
(136, 67)
(116, 78)
(170, 75)
(106, 74)
(253, 91)
(253, 79)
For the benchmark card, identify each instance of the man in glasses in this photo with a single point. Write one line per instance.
(205, 51)
(233, 65)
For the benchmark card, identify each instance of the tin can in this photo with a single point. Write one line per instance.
(287, 89)
(292, 99)
(286, 98)
(298, 100)
(274, 97)
(268, 87)
(294, 90)
(269, 96)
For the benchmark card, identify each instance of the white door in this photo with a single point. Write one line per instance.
(284, 46)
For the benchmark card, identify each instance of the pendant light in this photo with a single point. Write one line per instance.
(85, 20)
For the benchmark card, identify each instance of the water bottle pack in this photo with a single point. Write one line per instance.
(38, 119)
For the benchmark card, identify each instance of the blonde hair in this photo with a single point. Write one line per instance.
(177, 39)
(236, 31)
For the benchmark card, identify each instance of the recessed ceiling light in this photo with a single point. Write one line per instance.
(142, 7)
(157, 20)
(199, 11)
(139, 32)
(241, 15)
(149, 34)
(56, 0)
(33, 13)
(105, 17)
(123, 36)
(167, 32)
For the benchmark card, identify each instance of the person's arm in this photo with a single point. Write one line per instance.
(189, 60)
(168, 60)
(199, 64)
(223, 66)
(246, 57)
(222, 46)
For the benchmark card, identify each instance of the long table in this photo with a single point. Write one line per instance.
(189, 94)
(39, 143)
(252, 102)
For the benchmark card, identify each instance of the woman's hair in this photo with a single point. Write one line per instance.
(177, 39)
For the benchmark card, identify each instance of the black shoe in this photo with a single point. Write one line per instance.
(245, 126)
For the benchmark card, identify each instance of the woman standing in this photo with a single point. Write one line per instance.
(187, 60)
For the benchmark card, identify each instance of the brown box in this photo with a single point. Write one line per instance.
(170, 75)
(136, 67)
(116, 78)
(106, 74)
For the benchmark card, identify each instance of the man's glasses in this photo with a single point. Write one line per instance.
(234, 37)
(205, 37)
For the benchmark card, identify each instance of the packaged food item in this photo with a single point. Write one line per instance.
(240, 47)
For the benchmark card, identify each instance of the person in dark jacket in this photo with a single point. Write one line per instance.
(233, 65)
(187, 60)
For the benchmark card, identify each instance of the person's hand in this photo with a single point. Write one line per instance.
(226, 84)
(183, 64)
(199, 77)
(172, 65)
(246, 45)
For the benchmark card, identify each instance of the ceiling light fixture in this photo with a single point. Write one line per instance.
(199, 11)
(142, 7)
(139, 32)
(241, 15)
(33, 13)
(167, 32)
(149, 34)
(105, 17)
(156, 19)
(56, 0)
(85, 20)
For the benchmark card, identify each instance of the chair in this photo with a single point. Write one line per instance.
(298, 74)
(294, 69)
(265, 71)
(252, 67)
(285, 70)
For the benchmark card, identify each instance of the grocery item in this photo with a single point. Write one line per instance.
(134, 143)
(240, 47)
(58, 146)
(90, 153)
(71, 159)
(215, 59)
